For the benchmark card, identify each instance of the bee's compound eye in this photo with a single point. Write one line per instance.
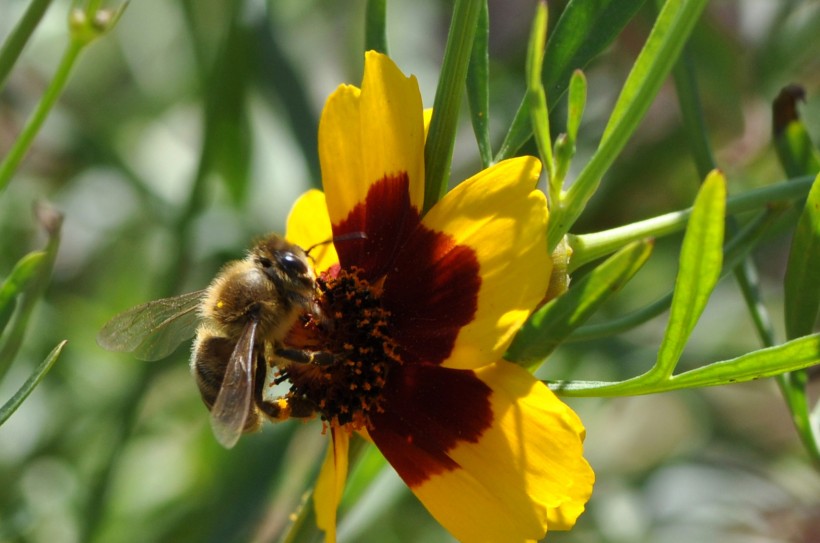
(292, 265)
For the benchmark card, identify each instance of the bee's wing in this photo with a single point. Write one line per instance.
(230, 411)
(154, 329)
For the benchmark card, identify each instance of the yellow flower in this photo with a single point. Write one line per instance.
(418, 312)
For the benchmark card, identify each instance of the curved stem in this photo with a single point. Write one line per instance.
(55, 88)
(589, 247)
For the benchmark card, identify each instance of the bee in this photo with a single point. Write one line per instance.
(240, 321)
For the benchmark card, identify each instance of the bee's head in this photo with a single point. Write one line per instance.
(286, 265)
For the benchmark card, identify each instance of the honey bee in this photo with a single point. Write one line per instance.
(239, 321)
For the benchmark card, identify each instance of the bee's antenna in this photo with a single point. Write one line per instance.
(343, 237)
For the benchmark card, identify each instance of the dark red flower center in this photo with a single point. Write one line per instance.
(389, 315)
(352, 327)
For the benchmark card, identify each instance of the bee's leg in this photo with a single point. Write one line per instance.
(303, 356)
(281, 408)
(287, 407)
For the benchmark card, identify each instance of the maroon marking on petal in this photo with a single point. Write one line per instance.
(431, 292)
(428, 410)
(387, 218)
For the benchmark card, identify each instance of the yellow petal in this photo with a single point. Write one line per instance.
(367, 134)
(503, 219)
(308, 225)
(524, 472)
(331, 483)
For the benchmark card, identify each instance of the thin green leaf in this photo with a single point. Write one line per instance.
(576, 103)
(16, 41)
(34, 379)
(438, 150)
(20, 147)
(375, 26)
(28, 297)
(791, 356)
(537, 99)
(582, 32)
(671, 30)
(22, 273)
(478, 87)
(802, 283)
(794, 355)
(565, 143)
(553, 323)
(701, 259)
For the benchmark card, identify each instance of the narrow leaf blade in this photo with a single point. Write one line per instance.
(582, 32)
(794, 355)
(701, 260)
(802, 283)
(34, 379)
(549, 326)
(478, 87)
(23, 272)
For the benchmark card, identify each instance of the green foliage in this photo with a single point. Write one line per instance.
(554, 322)
(171, 149)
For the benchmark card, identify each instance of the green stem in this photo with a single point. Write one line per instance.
(793, 387)
(735, 252)
(589, 247)
(14, 44)
(26, 137)
(438, 151)
(375, 26)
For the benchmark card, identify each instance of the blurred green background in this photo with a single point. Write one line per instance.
(191, 128)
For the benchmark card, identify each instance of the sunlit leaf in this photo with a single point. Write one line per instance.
(701, 259)
(794, 355)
